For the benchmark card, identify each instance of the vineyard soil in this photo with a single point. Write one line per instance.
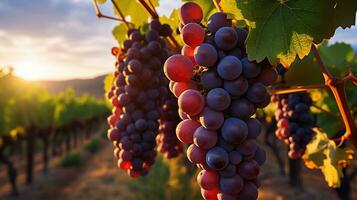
(98, 178)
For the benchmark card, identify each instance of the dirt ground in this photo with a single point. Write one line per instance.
(99, 179)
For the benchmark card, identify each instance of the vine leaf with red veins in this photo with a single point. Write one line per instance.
(281, 30)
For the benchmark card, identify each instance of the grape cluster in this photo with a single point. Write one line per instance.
(295, 121)
(168, 144)
(139, 90)
(218, 92)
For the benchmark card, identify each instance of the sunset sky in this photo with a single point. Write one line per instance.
(63, 39)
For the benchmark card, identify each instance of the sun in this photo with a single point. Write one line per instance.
(30, 70)
(30, 66)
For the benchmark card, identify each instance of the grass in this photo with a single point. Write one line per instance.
(93, 145)
(71, 159)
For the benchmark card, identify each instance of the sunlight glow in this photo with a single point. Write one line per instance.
(30, 66)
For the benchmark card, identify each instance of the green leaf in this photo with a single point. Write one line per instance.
(307, 71)
(280, 30)
(345, 13)
(101, 1)
(231, 8)
(322, 153)
(119, 32)
(133, 9)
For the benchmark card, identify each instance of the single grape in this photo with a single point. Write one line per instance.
(193, 34)
(217, 21)
(178, 68)
(196, 155)
(249, 169)
(185, 130)
(234, 130)
(211, 119)
(242, 108)
(218, 99)
(236, 87)
(217, 158)
(210, 79)
(229, 68)
(190, 12)
(256, 93)
(226, 38)
(205, 55)
(250, 69)
(180, 87)
(208, 179)
(231, 185)
(191, 102)
(204, 139)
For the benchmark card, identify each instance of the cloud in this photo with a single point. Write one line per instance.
(64, 34)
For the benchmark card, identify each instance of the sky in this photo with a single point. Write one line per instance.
(63, 39)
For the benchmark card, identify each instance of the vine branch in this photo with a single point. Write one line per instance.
(216, 4)
(297, 89)
(100, 15)
(153, 7)
(151, 11)
(122, 16)
(337, 87)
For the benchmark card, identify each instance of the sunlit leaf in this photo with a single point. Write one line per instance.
(322, 153)
(119, 32)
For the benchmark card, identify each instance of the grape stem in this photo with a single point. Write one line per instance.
(100, 15)
(153, 7)
(216, 4)
(337, 87)
(151, 11)
(297, 89)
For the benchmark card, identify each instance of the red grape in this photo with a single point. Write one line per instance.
(191, 102)
(190, 12)
(178, 68)
(193, 34)
(185, 130)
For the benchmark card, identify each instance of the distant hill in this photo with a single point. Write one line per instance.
(94, 86)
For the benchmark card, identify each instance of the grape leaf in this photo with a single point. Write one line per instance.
(137, 13)
(281, 30)
(345, 13)
(307, 71)
(231, 8)
(322, 153)
(101, 1)
(119, 32)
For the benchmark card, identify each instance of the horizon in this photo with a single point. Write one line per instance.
(64, 40)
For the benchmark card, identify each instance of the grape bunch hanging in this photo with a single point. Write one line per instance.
(295, 121)
(218, 91)
(140, 96)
